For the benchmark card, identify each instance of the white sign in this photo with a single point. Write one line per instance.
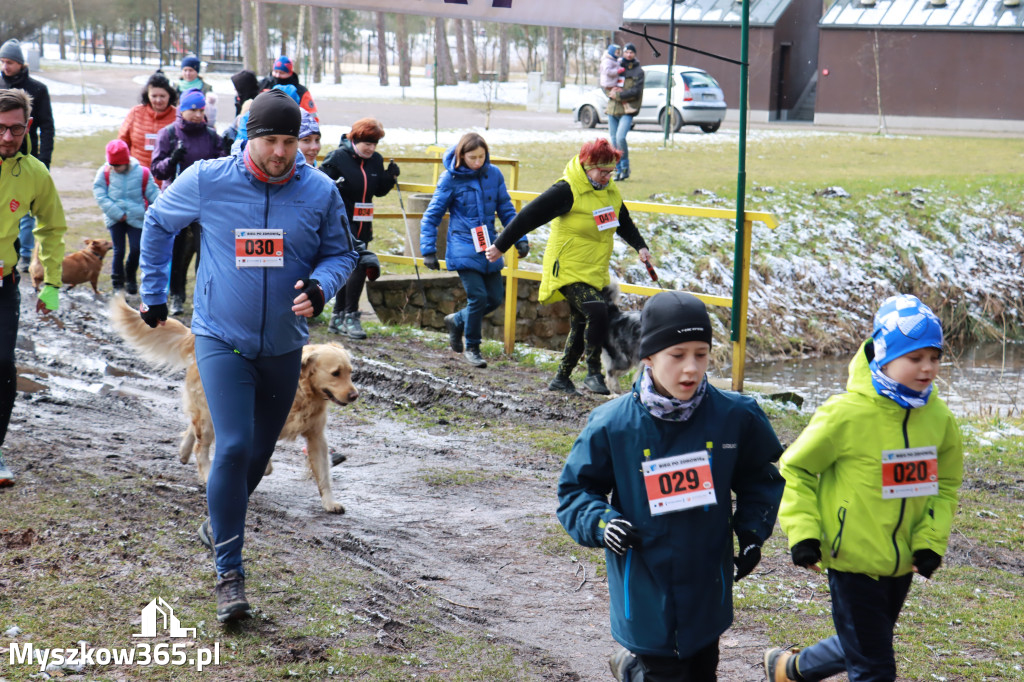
(593, 14)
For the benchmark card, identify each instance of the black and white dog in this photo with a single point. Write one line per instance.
(621, 349)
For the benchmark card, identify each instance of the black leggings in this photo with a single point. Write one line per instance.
(347, 299)
(588, 326)
(186, 245)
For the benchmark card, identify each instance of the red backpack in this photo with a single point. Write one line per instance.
(145, 181)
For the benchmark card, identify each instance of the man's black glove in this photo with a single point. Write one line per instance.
(619, 536)
(926, 562)
(749, 555)
(311, 288)
(430, 260)
(177, 156)
(153, 314)
(807, 552)
(393, 170)
(522, 248)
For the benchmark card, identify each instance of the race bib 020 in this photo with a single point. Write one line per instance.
(679, 482)
(911, 472)
(259, 248)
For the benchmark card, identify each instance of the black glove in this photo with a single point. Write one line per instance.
(749, 555)
(369, 262)
(926, 562)
(153, 314)
(522, 248)
(430, 260)
(619, 535)
(807, 552)
(311, 288)
(177, 156)
(393, 170)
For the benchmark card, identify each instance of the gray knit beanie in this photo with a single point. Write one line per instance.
(12, 50)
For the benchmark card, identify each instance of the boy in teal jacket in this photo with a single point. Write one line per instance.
(873, 480)
(671, 453)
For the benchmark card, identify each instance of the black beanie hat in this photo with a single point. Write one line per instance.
(273, 113)
(629, 46)
(673, 317)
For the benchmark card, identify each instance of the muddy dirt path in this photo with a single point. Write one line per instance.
(476, 546)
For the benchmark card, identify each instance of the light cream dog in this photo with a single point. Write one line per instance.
(326, 375)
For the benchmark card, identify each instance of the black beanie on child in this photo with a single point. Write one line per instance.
(673, 317)
(273, 113)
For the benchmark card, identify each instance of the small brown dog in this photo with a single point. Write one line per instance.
(78, 267)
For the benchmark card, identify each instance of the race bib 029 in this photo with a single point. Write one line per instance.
(679, 482)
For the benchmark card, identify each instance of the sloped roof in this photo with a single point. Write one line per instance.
(762, 12)
(921, 14)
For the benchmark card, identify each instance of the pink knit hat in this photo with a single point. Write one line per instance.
(117, 153)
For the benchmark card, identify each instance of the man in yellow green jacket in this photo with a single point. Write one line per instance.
(25, 187)
(871, 488)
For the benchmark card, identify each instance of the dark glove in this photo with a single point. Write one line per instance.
(311, 288)
(926, 561)
(340, 182)
(619, 535)
(430, 260)
(749, 555)
(807, 552)
(393, 170)
(153, 314)
(369, 262)
(177, 156)
(522, 248)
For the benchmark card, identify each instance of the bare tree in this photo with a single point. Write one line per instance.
(460, 49)
(445, 70)
(404, 60)
(248, 48)
(382, 50)
(336, 43)
(503, 52)
(260, 27)
(316, 63)
(558, 54)
(550, 62)
(474, 63)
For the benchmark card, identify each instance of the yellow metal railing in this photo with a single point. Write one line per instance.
(513, 274)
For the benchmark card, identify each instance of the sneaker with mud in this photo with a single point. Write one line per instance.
(351, 326)
(622, 663)
(176, 305)
(337, 324)
(131, 287)
(206, 535)
(775, 663)
(562, 385)
(6, 476)
(473, 356)
(231, 601)
(454, 332)
(595, 384)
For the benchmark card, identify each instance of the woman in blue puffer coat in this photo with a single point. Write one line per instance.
(472, 191)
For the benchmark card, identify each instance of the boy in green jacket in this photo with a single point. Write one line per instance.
(874, 479)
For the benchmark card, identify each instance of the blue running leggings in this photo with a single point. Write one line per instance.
(249, 403)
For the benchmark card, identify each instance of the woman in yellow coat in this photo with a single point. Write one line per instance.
(585, 210)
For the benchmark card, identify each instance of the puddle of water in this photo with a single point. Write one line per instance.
(983, 380)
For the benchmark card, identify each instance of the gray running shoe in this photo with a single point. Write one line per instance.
(6, 477)
(351, 326)
(231, 601)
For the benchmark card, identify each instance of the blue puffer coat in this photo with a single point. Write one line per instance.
(123, 195)
(471, 198)
(673, 596)
(249, 308)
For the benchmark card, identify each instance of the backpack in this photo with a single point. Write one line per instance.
(145, 181)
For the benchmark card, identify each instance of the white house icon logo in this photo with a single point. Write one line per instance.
(159, 610)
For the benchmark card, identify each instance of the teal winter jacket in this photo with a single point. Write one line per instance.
(673, 596)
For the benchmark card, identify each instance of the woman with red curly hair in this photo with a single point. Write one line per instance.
(585, 210)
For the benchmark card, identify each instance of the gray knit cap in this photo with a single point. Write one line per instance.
(12, 50)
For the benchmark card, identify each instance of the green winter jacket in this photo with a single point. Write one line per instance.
(577, 251)
(26, 187)
(833, 475)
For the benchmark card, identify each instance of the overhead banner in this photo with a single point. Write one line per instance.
(605, 15)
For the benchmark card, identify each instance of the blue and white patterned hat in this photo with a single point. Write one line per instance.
(902, 325)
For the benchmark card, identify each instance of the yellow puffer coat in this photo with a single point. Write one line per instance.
(577, 250)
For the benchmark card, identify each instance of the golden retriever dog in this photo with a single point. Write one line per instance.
(326, 376)
(78, 267)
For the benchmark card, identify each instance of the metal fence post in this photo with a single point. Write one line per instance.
(739, 345)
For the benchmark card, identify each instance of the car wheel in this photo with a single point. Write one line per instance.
(710, 127)
(677, 120)
(588, 116)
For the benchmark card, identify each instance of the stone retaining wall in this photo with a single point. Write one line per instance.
(396, 299)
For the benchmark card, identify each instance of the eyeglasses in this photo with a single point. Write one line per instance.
(15, 130)
(601, 172)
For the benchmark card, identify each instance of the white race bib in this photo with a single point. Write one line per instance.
(259, 248)
(605, 218)
(912, 472)
(362, 213)
(481, 238)
(679, 482)
(150, 142)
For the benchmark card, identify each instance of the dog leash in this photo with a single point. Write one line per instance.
(652, 272)
(412, 247)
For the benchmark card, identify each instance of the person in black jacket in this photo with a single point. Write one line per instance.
(358, 171)
(14, 74)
